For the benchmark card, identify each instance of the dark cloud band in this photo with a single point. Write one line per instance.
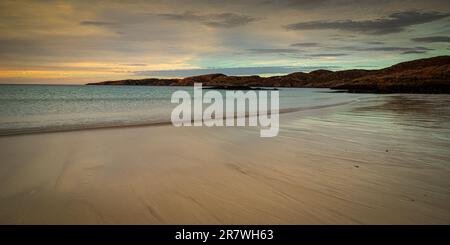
(273, 50)
(97, 23)
(396, 22)
(224, 20)
(433, 39)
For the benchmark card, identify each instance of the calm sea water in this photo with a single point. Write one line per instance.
(45, 107)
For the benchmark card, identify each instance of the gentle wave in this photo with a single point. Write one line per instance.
(117, 124)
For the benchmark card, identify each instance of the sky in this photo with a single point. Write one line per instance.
(75, 42)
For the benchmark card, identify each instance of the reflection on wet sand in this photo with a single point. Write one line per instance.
(382, 160)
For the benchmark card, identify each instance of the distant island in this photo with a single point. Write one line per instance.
(431, 75)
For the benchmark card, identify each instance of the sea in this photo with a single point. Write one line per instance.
(37, 108)
(48, 108)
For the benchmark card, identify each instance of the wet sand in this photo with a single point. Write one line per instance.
(327, 166)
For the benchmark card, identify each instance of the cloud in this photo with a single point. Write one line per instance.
(306, 45)
(327, 55)
(378, 48)
(97, 23)
(433, 39)
(402, 50)
(375, 43)
(165, 35)
(235, 71)
(394, 23)
(365, 66)
(414, 52)
(273, 50)
(314, 4)
(222, 20)
(137, 64)
(393, 49)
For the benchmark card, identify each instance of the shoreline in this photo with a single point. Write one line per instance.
(10, 133)
(254, 88)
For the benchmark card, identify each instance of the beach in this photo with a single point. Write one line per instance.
(382, 161)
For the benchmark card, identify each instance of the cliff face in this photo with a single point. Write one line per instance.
(430, 75)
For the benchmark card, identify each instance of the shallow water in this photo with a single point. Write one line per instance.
(47, 108)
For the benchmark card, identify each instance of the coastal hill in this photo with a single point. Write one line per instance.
(431, 75)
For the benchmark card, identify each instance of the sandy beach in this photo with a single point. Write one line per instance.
(327, 166)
